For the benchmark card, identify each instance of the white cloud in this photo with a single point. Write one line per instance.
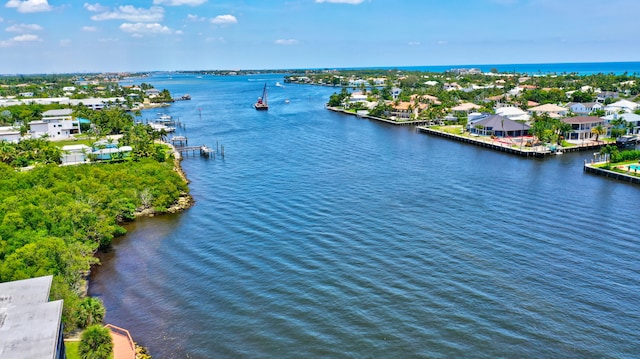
(224, 19)
(130, 13)
(141, 28)
(65, 43)
(414, 43)
(95, 7)
(352, 2)
(179, 2)
(286, 42)
(22, 28)
(27, 6)
(195, 18)
(441, 42)
(179, 32)
(89, 28)
(26, 37)
(1, 19)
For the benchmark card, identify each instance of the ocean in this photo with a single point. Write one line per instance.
(322, 235)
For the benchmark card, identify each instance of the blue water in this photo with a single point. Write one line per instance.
(580, 68)
(321, 235)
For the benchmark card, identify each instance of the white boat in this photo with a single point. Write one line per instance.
(278, 84)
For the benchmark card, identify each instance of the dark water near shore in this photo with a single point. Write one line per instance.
(322, 235)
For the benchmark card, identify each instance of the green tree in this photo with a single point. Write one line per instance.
(598, 130)
(95, 343)
(90, 311)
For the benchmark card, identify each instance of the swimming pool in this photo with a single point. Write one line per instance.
(634, 167)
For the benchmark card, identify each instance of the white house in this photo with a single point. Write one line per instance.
(581, 127)
(632, 120)
(9, 134)
(55, 124)
(513, 113)
(622, 105)
(584, 108)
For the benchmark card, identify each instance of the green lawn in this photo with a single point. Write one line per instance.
(72, 350)
(87, 142)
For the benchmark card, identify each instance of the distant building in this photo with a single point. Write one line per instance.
(9, 134)
(30, 325)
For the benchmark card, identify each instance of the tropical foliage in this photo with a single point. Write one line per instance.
(53, 219)
(95, 343)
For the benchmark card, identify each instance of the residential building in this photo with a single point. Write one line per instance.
(55, 124)
(632, 121)
(465, 108)
(584, 108)
(9, 134)
(581, 127)
(513, 113)
(604, 95)
(404, 110)
(499, 126)
(554, 111)
(30, 325)
(621, 106)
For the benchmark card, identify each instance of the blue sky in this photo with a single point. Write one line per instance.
(54, 36)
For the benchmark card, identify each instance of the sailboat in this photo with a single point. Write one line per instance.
(262, 101)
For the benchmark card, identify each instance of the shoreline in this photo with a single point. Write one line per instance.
(183, 202)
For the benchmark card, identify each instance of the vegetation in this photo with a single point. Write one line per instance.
(71, 349)
(53, 219)
(96, 343)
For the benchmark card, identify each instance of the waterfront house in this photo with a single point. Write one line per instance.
(581, 127)
(395, 92)
(404, 110)
(499, 126)
(554, 111)
(632, 120)
(357, 96)
(152, 92)
(584, 108)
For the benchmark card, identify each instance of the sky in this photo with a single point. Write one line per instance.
(68, 36)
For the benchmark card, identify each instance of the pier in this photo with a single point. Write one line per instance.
(180, 145)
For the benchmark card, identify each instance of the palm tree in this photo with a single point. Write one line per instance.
(91, 311)
(598, 130)
(95, 343)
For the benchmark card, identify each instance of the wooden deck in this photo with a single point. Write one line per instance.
(123, 345)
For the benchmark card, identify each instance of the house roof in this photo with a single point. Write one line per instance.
(582, 119)
(57, 113)
(501, 123)
(624, 104)
(547, 108)
(510, 111)
(629, 117)
(467, 106)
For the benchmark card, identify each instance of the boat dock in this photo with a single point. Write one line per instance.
(180, 145)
